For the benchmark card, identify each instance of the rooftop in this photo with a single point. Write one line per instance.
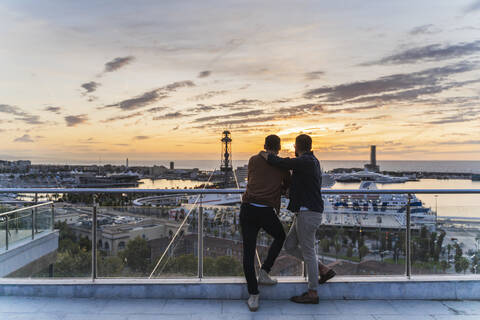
(40, 308)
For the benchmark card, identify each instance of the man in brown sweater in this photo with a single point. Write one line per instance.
(259, 209)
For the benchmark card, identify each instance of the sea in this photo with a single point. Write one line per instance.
(388, 165)
(444, 204)
(463, 205)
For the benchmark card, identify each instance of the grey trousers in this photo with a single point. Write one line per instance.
(301, 241)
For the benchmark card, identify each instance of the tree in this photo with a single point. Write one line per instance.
(444, 265)
(349, 251)
(341, 236)
(438, 246)
(137, 254)
(458, 252)
(110, 266)
(389, 241)
(401, 242)
(449, 248)
(461, 264)
(85, 244)
(353, 235)
(73, 265)
(338, 247)
(360, 241)
(475, 261)
(433, 240)
(227, 266)
(362, 252)
(209, 266)
(65, 232)
(184, 265)
(383, 241)
(325, 245)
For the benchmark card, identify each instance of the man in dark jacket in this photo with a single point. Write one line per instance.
(307, 204)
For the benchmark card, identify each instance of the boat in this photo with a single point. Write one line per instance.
(386, 211)
(229, 199)
(127, 179)
(377, 210)
(366, 175)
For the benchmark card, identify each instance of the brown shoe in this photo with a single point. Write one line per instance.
(327, 276)
(305, 299)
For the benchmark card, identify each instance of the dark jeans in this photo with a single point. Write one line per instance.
(251, 220)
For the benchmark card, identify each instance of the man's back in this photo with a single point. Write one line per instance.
(265, 183)
(305, 189)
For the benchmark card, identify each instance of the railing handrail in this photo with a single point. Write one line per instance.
(26, 208)
(230, 191)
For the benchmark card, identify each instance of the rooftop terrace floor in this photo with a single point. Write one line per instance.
(40, 308)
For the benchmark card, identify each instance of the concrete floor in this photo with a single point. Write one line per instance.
(145, 309)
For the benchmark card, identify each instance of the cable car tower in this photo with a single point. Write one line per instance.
(226, 165)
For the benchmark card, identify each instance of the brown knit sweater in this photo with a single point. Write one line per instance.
(266, 183)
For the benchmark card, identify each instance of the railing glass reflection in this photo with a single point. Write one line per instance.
(21, 224)
(452, 247)
(161, 234)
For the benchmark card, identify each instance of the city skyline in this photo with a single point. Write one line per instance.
(161, 80)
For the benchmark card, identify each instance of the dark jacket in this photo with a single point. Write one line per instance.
(305, 187)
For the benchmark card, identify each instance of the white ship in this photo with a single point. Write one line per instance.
(376, 210)
(359, 210)
(230, 199)
(366, 175)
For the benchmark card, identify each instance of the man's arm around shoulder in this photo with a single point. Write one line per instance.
(284, 163)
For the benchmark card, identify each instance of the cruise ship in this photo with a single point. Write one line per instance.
(387, 211)
(376, 210)
(366, 175)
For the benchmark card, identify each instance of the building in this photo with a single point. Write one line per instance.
(242, 174)
(372, 166)
(156, 171)
(113, 238)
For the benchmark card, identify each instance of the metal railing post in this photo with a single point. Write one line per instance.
(53, 216)
(35, 215)
(94, 240)
(6, 232)
(408, 242)
(33, 224)
(200, 239)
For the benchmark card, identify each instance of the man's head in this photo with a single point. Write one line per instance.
(303, 143)
(272, 143)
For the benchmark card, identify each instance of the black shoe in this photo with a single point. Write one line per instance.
(327, 276)
(305, 299)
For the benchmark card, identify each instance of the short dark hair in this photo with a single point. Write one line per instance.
(272, 142)
(303, 143)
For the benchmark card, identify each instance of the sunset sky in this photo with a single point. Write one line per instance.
(147, 80)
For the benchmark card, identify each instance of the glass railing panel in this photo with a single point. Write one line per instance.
(363, 234)
(175, 252)
(19, 227)
(285, 265)
(222, 241)
(3, 242)
(133, 236)
(43, 219)
(73, 258)
(451, 245)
